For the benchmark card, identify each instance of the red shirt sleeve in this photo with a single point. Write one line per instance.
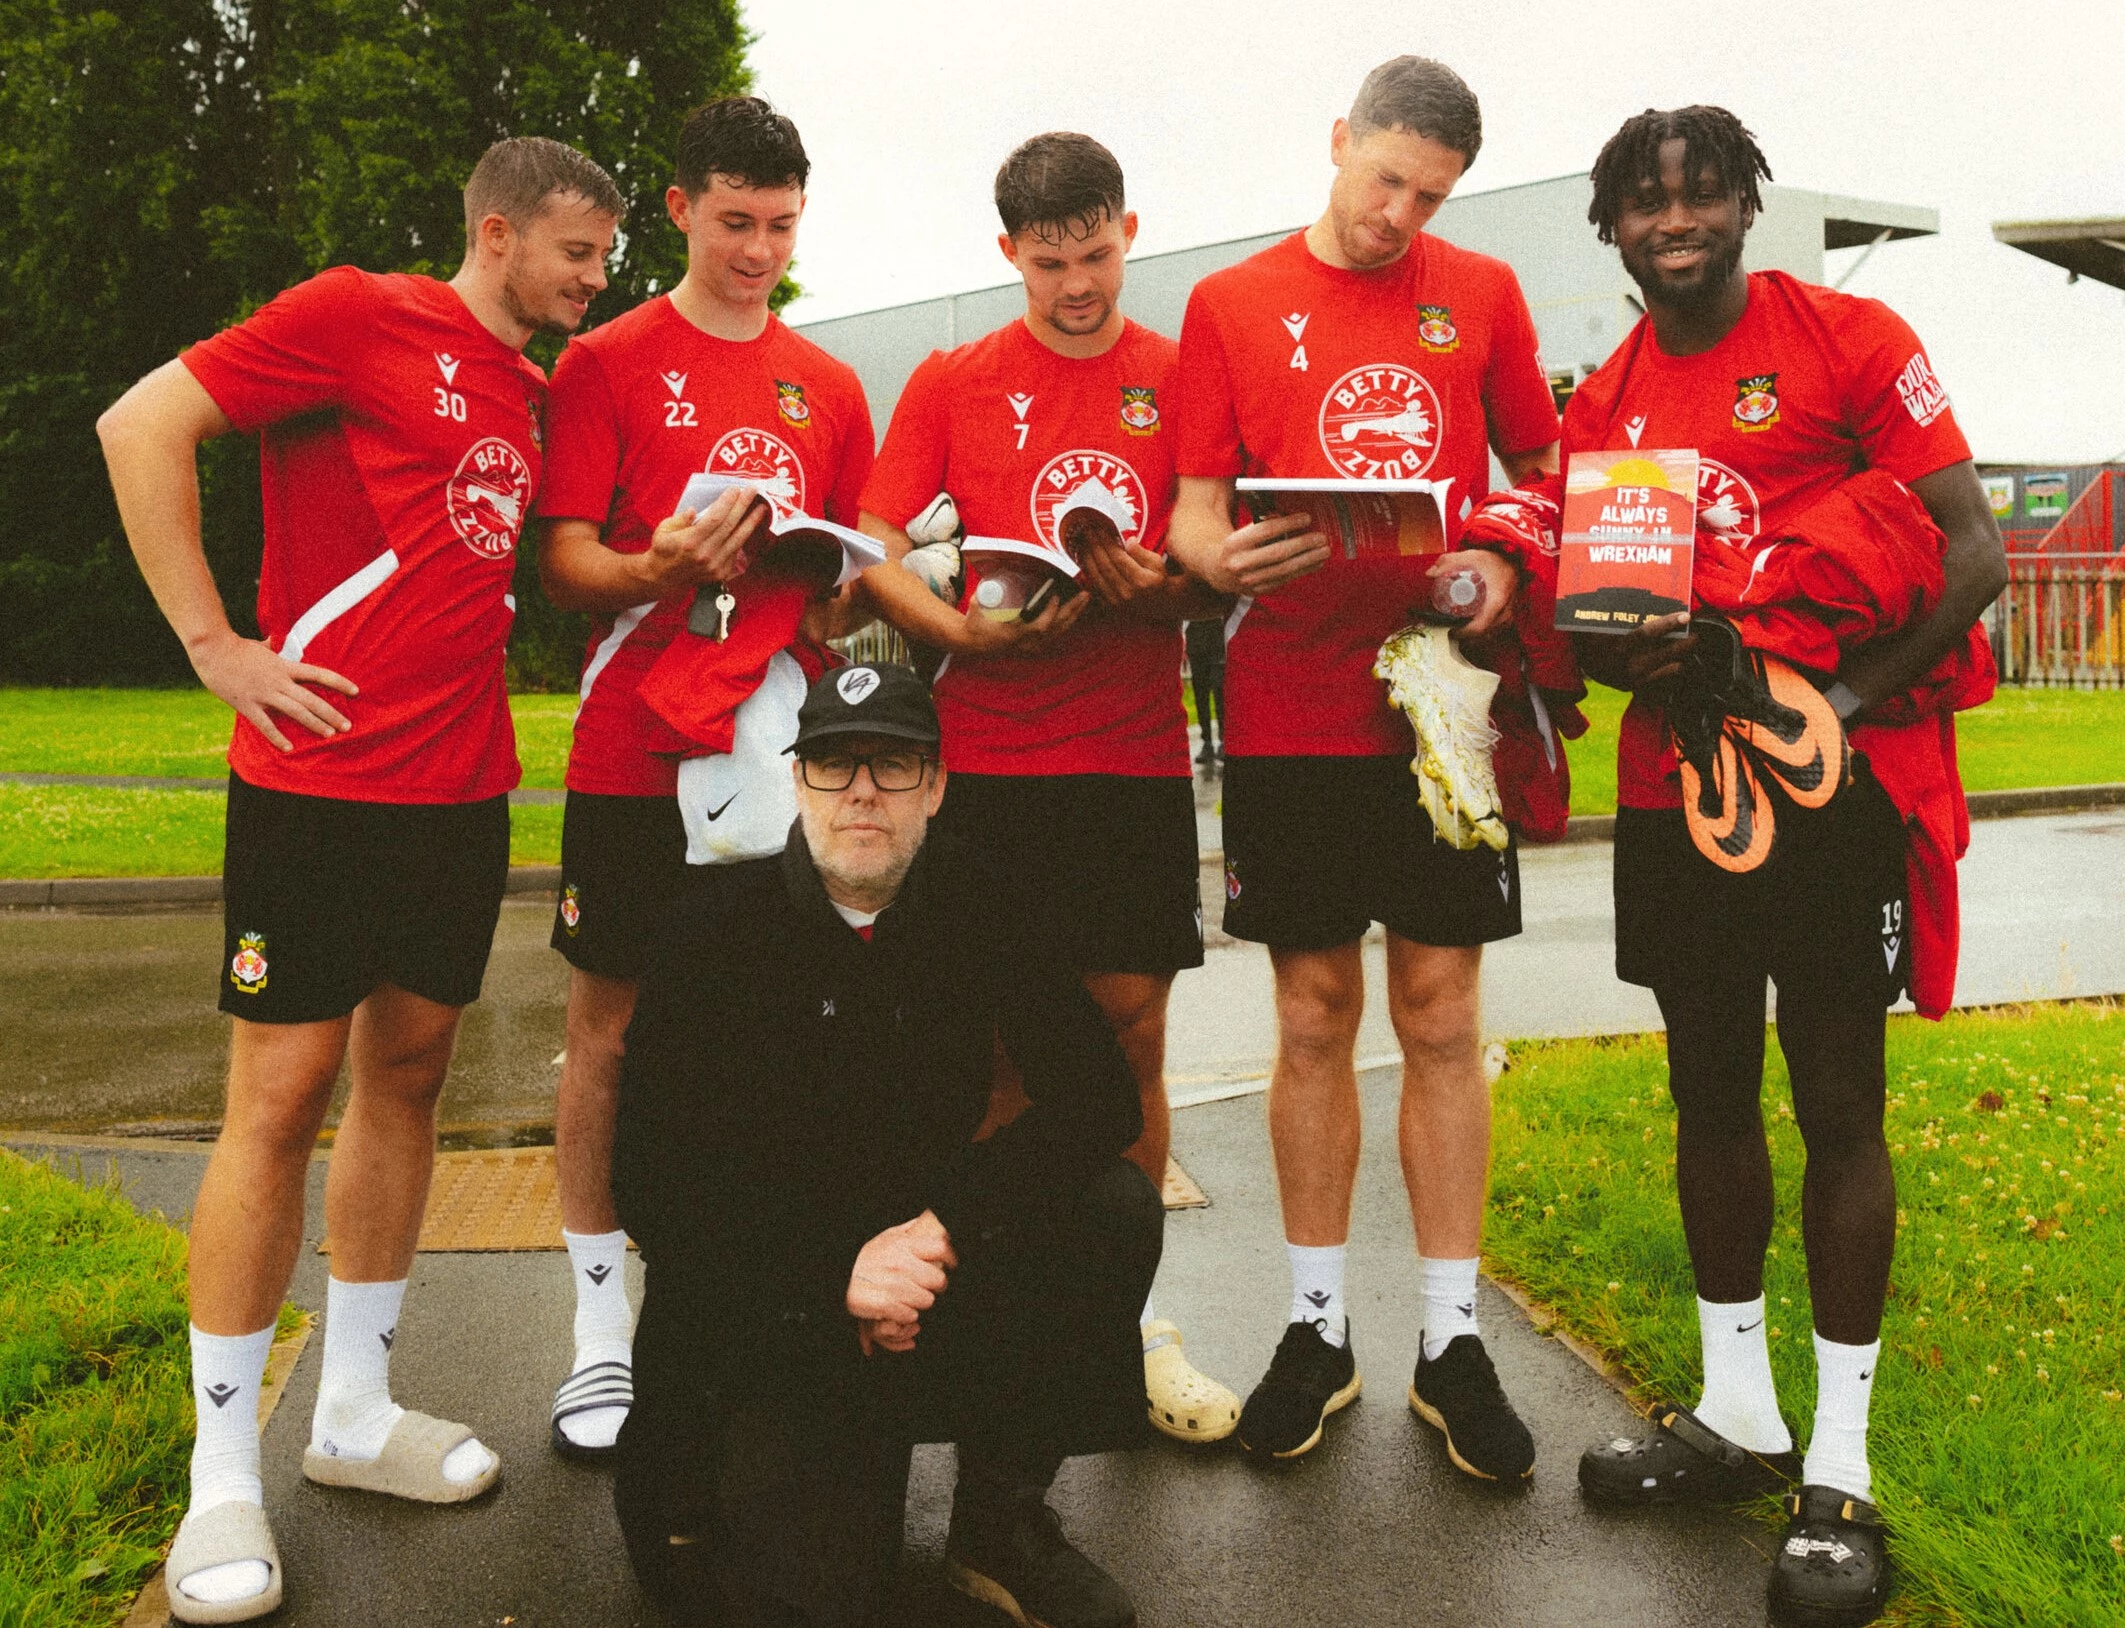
(1896, 407)
(858, 452)
(1517, 404)
(583, 441)
(911, 465)
(291, 356)
(1206, 424)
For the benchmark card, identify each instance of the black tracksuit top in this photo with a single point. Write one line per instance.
(790, 1090)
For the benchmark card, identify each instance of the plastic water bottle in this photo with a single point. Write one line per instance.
(1457, 595)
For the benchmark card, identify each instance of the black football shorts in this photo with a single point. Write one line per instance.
(1319, 848)
(324, 899)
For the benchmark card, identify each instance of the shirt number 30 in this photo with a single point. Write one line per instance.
(449, 404)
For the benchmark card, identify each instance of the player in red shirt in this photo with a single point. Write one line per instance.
(1361, 347)
(705, 378)
(1071, 813)
(1784, 389)
(400, 430)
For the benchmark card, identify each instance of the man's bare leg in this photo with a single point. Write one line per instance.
(1186, 1403)
(1432, 997)
(1135, 1006)
(596, 1395)
(1445, 1127)
(1314, 1133)
(399, 1048)
(247, 1223)
(1313, 1090)
(587, 1104)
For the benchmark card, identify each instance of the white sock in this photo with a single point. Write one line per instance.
(355, 1412)
(1739, 1401)
(604, 1329)
(1844, 1385)
(1150, 1314)
(1449, 1302)
(1317, 1289)
(227, 1371)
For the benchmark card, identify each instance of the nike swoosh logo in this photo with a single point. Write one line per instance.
(1867, 1374)
(717, 813)
(1745, 1327)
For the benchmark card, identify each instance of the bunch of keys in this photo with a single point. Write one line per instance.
(711, 617)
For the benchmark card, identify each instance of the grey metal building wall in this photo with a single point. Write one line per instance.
(1582, 302)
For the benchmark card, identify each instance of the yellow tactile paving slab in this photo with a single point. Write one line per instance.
(509, 1198)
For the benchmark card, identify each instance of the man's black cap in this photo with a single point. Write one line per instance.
(875, 699)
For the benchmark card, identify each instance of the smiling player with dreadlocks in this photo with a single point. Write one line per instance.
(1834, 481)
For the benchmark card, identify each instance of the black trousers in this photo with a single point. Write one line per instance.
(785, 1510)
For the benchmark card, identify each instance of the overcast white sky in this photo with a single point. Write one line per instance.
(1219, 113)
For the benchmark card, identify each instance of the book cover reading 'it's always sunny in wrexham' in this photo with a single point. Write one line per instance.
(1363, 519)
(1630, 527)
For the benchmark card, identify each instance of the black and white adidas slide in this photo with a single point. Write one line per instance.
(601, 1385)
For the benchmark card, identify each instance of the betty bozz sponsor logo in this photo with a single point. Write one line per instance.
(763, 458)
(1068, 473)
(1726, 504)
(488, 496)
(1382, 421)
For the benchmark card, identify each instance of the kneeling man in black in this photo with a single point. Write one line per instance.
(836, 1270)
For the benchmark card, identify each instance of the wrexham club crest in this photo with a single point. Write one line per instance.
(247, 967)
(1435, 329)
(1140, 409)
(571, 909)
(1756, 402)
(790, 403)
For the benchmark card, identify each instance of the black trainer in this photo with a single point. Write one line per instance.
(1018, 1560)
(1833, 1569)
(1460, 1395)
(1681, 1460)
(1308, 1379)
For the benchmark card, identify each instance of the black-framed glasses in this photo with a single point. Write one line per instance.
(890, 771)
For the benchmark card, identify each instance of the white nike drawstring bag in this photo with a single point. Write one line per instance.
(740, 804)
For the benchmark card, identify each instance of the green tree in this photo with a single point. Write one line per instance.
(167, 168)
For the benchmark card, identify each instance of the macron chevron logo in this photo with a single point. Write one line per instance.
(449, 365)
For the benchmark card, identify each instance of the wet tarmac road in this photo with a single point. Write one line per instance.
(110, 1018)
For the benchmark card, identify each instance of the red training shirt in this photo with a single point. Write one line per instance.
(641, 403)
(399, 452)
(1293, 368)
(1809, 386)
(1011, 429)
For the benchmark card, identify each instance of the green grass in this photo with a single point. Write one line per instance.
(95, 1413)
(1998, 1413)
(186, 732)
(2017, 739)
(2020, 738)
(52, 831)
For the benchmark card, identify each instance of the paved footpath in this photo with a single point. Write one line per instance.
(1373, 1528)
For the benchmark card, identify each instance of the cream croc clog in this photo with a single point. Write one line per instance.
(1184, 1403)
(410, 1466)
(225, 1535)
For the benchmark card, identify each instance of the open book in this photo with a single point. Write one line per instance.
(1012, 579)
(832, 555)
(1629, 534)
(1363, 519)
